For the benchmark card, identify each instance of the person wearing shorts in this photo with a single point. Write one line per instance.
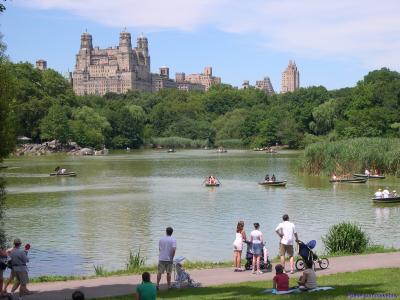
(257, 240)
(19, 259)
(167, 248)
(3, 267)
(287, 233)
(238, 246)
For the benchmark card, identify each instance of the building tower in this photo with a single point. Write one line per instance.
(208, 71)
(246, 84)
(164, 72)
(124, 56)
(290, 78)
(265, 85)
(41, 64)
(180, 77)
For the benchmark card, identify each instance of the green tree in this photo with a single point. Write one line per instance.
(89, 127)
(7, 130)
(55, 125)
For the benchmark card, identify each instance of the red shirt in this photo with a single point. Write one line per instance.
(282, 282)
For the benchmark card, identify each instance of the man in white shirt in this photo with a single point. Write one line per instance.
(167, 247)
(378, 194)
(288, 234)
(386, 193)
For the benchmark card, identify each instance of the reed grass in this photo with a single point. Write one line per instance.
(353, 156)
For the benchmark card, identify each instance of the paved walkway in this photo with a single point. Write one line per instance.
(123, 285)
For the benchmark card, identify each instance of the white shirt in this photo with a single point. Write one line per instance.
(256, 237)
(287, 229)
(378, 194)
(167, 245)
(385, 193)
(366, 172)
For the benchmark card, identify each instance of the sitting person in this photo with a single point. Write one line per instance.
(78, 295)
(366, 172)
(146, 290)
(273, 178)
(393, 194)
(334, 177)
(378, 194)
(309, 279)
(386, 193)
(280, 282)
(266, 179)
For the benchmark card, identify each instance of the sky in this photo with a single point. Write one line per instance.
(334, 43)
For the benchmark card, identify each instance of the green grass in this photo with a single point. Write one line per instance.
(353, 156)
(378, 281)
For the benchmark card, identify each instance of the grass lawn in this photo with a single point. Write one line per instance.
(378, 281)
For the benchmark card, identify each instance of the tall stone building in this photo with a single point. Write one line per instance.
(98, 71)
(265, 85)
(290, 78)
(206, 78)
(162, 81)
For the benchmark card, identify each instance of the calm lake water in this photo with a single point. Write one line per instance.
(124, 201)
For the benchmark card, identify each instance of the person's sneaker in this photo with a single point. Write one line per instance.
(254, 272)
(259, 273)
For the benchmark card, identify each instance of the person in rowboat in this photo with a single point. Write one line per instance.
(393, 194)
(367, 172)
(273, 178)
(386, 193)
(378, 194)
(266, 179)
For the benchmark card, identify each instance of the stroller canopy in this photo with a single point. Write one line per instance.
(311, 244)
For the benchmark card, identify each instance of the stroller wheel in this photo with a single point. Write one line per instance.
(300, 265)
(323, 263)
(247, 266)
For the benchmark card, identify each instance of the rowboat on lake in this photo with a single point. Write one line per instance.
(66, 174)
(370, 176)
(387, 200)
(273, 183)
(211, 184)
(349, 180)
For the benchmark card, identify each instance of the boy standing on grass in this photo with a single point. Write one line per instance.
(146, 290)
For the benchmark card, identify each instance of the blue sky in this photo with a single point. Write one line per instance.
(334, 43)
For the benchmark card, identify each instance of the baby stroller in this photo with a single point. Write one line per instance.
(306, 253)
(182, 278)
(265, 263)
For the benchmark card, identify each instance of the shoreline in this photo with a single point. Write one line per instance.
(189, 265)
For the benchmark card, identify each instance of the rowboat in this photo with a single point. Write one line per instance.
(66, 174)
(370, 176)
(273, 183)
(349, 180)
(387, 200)
(171, 150)
(211, 184)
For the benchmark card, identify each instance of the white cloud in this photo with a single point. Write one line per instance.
(365, 31)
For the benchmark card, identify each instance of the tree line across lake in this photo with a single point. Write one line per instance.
(42, 105)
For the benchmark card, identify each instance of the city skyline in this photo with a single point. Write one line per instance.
(336, 54)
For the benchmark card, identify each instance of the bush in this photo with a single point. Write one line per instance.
(345, 238)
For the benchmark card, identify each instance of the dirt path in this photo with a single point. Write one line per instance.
(123, 285)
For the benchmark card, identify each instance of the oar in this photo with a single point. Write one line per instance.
(218, 180)
(204, 181)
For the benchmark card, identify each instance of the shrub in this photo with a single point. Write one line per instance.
(135, 261)
(345, 237)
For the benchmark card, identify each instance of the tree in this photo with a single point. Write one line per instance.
(55, 125)
(89, 127)
(7, 130)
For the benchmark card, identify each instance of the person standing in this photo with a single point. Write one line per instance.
(257, 240)
(288, 234)
(146, 290)
(238, 245)
(167, 248)
(19, 259)
(3, 267)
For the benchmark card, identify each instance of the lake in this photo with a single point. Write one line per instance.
(125, 201)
